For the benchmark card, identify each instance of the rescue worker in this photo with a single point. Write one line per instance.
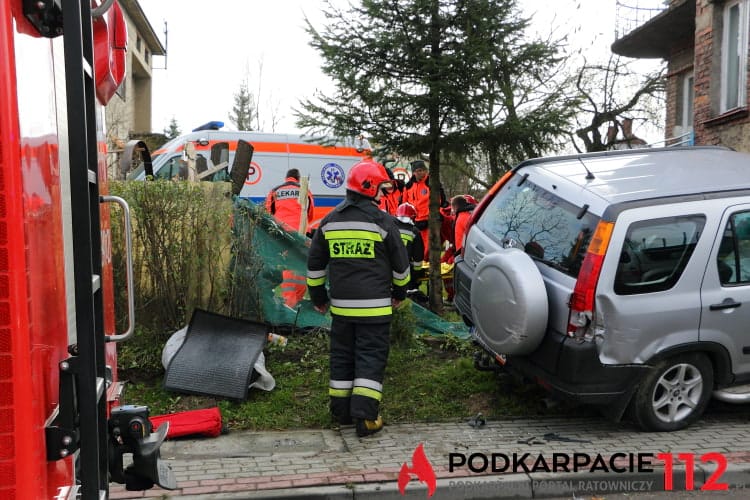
(461, 209)
(358, 248)
(283, 203)
(417, 192)
(410, 235)
(391, 199)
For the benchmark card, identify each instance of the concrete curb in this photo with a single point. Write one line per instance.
(337, 464)
(506, 486)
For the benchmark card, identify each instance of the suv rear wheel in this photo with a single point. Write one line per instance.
(674, 394)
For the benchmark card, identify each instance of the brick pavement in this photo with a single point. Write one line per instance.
(338, 464)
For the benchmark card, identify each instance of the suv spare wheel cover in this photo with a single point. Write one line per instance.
(509, 302)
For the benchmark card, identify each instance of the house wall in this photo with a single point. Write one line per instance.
(729, 129)
(130, 111)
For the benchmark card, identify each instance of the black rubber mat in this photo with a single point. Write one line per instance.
(217, 356)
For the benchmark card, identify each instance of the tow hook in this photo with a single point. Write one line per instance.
(484, 362)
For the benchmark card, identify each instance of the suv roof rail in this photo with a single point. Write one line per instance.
(622, 152)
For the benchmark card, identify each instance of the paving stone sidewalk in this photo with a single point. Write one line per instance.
(338, 464)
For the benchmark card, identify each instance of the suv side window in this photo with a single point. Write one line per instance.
(734, 251)
(547, 227)
(655, 253)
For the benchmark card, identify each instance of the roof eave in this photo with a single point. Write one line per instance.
(674, 27)
(136, 14)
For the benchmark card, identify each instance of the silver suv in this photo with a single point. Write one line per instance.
(617, 279)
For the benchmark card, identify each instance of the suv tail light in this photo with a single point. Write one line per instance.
(483, 204)
(582, 300)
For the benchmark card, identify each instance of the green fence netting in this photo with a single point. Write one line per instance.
(262, 250)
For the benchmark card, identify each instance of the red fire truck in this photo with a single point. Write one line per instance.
(62, 434)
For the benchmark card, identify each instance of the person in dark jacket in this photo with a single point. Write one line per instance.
(410, 235)
(358, 249)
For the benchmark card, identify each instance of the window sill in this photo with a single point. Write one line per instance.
(729, 116)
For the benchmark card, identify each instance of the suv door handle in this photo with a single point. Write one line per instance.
(725, 304)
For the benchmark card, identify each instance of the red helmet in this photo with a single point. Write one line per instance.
(406, 210)
(366, 177)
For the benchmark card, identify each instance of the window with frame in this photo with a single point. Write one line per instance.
(733, 260)
(655, 253)
(688, 94)
(734, 53)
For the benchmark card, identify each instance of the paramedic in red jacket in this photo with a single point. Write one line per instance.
(417, 192)
(283, 203)
(462, 207)
(392, 197)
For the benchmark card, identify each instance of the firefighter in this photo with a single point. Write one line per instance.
(283, 203)
(358, 248)
(410, 235)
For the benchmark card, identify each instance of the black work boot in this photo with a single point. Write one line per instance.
(369, 427)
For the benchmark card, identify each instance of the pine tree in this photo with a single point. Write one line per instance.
(243, 111)
(413, 75)
(173, 130)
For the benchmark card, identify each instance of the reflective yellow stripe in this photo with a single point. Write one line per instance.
(407, 238)
(362, 312)
(316, 281)
(368, 393)
(339, 393)
(402, 282)
(353, 234)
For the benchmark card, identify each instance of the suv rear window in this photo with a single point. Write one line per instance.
(655, 253)
(547, 227)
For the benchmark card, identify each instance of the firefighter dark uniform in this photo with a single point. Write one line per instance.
(412, 239)
(283, 203)
(358, 249)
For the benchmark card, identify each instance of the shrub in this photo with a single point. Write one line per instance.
(181, 252)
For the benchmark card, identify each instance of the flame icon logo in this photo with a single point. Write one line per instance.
(421, 468)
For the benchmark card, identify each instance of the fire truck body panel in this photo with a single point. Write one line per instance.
(37, 289)
(34, 318)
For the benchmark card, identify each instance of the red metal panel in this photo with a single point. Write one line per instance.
(33, 325)
(15, 409)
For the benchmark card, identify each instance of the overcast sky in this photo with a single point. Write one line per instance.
(213, 46)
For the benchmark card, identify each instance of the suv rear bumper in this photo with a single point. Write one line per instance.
(562, 364)
(573, 369)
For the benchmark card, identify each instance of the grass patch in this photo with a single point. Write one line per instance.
(429, 379)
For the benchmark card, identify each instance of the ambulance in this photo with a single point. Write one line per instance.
(270, 155)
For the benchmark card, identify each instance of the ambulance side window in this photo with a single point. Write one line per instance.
(171, 168)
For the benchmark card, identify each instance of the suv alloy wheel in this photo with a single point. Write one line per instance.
(674, 394)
